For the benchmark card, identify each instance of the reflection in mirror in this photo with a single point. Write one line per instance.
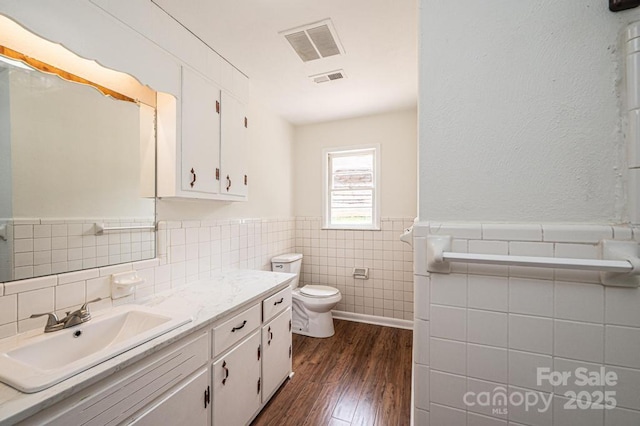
(74, 165)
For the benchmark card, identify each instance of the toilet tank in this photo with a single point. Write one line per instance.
(290, 263)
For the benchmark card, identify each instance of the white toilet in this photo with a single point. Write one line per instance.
(312, 304)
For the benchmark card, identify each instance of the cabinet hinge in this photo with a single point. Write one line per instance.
(246, 122)
(258, 386)
(207, 397)
(218, 107)
(258, 352)
(245, 179)
(217, 174)
(289, 325)
(289, 351)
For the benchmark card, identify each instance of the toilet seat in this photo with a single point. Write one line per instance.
(318, 291)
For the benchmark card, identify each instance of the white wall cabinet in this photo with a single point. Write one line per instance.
(212, 155)
(200, 134)
(234, 149)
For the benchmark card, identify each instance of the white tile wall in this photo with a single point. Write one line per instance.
(331, 255)
(512, 321)
(187, 251)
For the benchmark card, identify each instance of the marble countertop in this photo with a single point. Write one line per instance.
(205, 301)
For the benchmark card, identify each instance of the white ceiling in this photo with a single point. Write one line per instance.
(379, 38)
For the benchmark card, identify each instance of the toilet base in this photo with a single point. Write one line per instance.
(310, 323)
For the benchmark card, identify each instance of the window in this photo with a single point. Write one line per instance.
(351, 188)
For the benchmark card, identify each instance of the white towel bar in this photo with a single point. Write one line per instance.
(619, 266)
(100, 228)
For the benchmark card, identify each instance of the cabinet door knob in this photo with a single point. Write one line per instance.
(270, 334)
(278, 301)
(228, 183)
(193, 181)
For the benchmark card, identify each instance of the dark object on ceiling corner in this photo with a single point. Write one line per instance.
(618, 5)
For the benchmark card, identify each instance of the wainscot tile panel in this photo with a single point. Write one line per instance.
(494, 329)
(331, 255)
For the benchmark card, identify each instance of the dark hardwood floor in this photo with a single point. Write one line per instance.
(360, 376)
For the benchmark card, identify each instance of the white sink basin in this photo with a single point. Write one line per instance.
(35, 363)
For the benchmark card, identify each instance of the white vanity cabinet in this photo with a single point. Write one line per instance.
(276, 357)
(143, 391)
(184, 405)
(237, 383)
(276, 341)
(222, 374)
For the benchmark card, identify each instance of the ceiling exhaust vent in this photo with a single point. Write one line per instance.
(314, 41)
(328, 76)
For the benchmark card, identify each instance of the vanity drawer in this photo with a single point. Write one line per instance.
(232, 331)
(273, 305)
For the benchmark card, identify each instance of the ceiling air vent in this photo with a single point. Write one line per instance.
(328, 76)
(314, 41)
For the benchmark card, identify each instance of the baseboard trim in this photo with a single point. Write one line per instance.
(373, 319)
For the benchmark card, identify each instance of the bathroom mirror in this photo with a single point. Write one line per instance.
(77, 171)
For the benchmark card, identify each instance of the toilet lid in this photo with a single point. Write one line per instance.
(318, 290)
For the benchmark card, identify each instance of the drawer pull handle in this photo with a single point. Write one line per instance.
(270, 336)
(226, 372)
(278, 301)
(233, 330)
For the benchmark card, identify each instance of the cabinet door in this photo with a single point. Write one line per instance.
(183, 405)
(234, 149)
(236, 384)
(200, 134)
(276, 360)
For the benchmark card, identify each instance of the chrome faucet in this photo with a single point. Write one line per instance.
(73, 318)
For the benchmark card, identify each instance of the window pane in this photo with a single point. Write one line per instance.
(352, 180)
(352, 163)
(352, 207)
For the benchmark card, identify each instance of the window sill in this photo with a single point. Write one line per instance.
(351, 228)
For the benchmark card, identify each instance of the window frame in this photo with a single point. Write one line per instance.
(326, 186)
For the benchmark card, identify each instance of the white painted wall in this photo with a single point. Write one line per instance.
(396, 134)
(520, 122)
(520, 111)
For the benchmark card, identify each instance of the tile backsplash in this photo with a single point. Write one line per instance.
(186, 251)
